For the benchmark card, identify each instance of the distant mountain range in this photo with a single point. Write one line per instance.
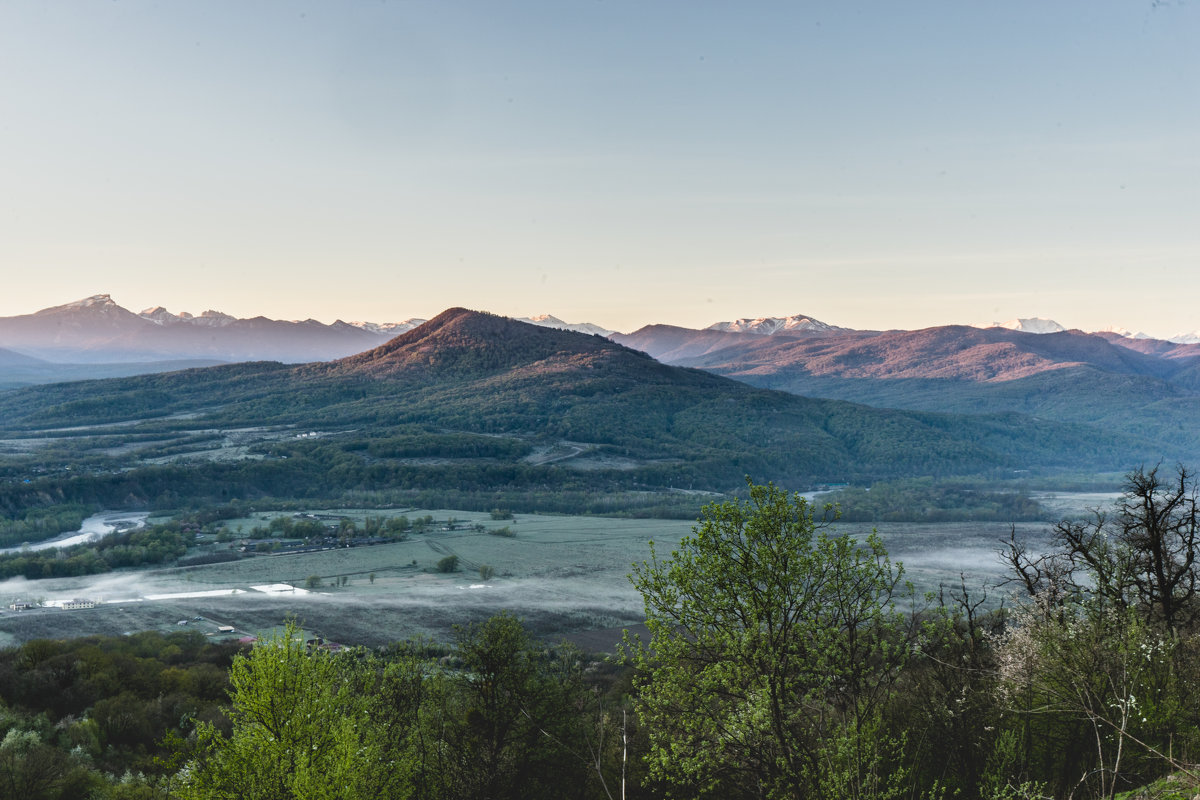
(95, 338)
(1144, 387)
(1127, 383)
(97, 330)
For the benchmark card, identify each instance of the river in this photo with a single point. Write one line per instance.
(94, 527)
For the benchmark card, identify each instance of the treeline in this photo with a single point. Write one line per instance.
(41, 523)
(494, 714)
(96, 717)
(925, 500)
(395, 528)
(784, 662)
(331, 473)
(448, 445)
(156, 544)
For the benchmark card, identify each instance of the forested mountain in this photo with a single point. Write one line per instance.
(1143, 388)
(481, 401)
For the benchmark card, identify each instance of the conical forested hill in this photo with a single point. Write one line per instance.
(464, 343)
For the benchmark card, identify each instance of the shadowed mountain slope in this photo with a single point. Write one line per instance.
(1141, 388)
(952, 352)
(675, 345)
(459, 342)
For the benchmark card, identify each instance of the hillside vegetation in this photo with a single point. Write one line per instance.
(481, 405)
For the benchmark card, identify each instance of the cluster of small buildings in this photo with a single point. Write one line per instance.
(69, 605)
(282, 547)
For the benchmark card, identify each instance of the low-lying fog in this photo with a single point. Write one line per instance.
(562, 574)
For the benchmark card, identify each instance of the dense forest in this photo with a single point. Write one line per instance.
(784, 660)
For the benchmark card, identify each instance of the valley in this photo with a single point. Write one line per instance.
(565, 576)
(474, 412)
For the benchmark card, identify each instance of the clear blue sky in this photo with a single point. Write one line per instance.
(873, 164)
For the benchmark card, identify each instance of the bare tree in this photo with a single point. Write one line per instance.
(1142, 555)
(1158, 522)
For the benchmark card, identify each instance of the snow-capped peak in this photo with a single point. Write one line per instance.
(102, 302)
(548, 321)
(209, 319)
(1125, 332)
(94, 300)
(766, 326)
(214, 319)
(389, 328)
(1028, 325)
(159, 315)
(1186, 338)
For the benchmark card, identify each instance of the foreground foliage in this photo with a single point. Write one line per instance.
(774, 647)
(784, 661)
(305, 723)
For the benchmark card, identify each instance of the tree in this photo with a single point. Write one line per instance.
(305, 725)
(448, 564)
(507, 727)
(1104, 678)
(773, 648)
(33, 769)
(1143, 555)
(1106, 640)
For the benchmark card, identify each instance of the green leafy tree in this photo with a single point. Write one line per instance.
(305, 725)
(33, 769)
(773, 649)
(507, 727)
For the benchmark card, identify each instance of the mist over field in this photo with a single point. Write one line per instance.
(561, 574)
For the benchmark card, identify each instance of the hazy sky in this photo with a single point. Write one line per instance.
(872, 164)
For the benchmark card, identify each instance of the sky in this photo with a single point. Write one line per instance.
(869, 164)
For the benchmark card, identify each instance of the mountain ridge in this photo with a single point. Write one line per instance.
(478, 374)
